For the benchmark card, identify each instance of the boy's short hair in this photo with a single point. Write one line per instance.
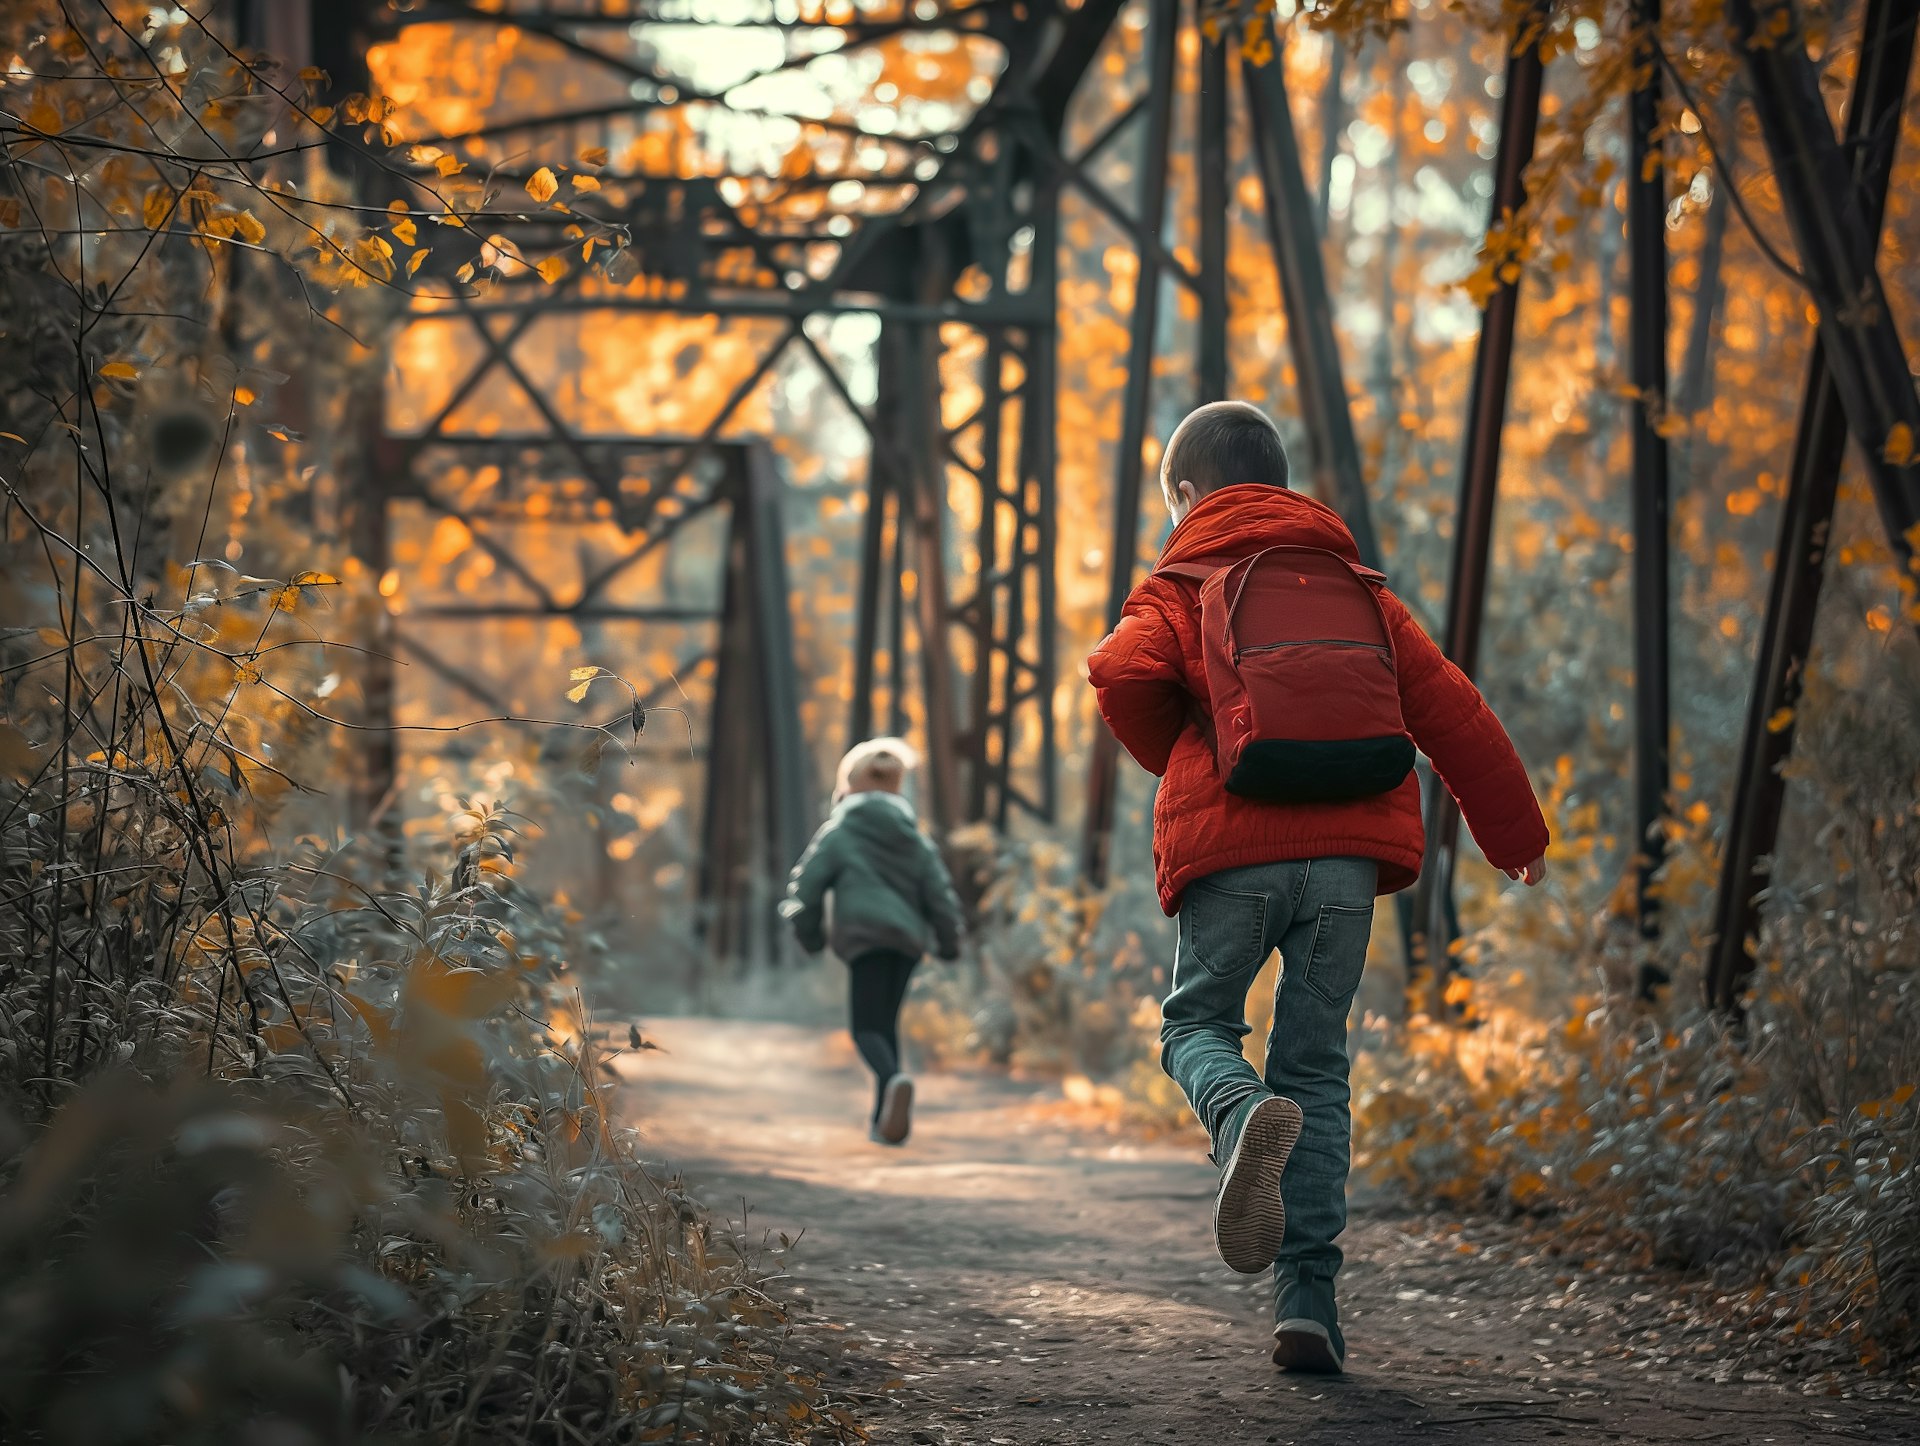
(891, 759)
(1221, 444)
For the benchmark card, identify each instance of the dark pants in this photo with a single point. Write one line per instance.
(878, 982)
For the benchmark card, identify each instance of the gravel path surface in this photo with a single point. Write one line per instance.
(1011, 1278)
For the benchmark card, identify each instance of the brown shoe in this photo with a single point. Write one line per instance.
(1249, 1218)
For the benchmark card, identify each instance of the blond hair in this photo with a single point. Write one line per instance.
(876, 755)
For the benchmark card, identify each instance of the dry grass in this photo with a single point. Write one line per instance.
(1779, 1157)
(302, 1143)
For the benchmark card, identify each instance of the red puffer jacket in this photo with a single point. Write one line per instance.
(1148, 672)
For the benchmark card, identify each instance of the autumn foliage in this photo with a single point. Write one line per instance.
(336, 1047)
(302, 1139)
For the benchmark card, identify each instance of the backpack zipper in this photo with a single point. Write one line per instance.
(1312, 643)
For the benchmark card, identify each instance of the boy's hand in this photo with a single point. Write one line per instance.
(1532, 874)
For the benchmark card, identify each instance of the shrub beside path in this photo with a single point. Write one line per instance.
(1014, 1277)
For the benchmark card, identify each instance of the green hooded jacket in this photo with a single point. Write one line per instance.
(890, 888)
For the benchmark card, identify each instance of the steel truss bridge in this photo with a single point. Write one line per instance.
(956, 219)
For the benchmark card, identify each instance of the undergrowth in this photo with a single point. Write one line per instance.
(302, 1142)
(1778, 1154)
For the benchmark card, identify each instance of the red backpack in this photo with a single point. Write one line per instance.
(1299, 665)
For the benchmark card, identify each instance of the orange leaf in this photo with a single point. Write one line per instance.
(460, 994)
(541, 184)
(157, 209)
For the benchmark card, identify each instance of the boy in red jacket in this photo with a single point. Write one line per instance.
(1247, 876)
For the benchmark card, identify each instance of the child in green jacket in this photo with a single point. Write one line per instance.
(892, 896)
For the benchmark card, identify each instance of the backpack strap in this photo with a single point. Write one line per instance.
(1191, 571)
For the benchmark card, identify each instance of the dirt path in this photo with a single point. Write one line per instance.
(1009, 1279)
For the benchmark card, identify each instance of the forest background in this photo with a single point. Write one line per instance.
(398, 1160)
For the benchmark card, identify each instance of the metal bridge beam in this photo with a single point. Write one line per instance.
(1647, 347)
(1806, 520)
(1479, 477)
(1163, 34)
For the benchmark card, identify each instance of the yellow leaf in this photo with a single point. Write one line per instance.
(589, 671)
(374, 254)
(121, 371)
(552, 269)
(315, 579)
(585, 183)
(314, 77)
(321, 114)
(157, 209)
(578, 692)
(541, 184)
(1780, 721)
(14, 437)
(242, 225)
(1899, 445)
(448, 166)
(594, 156)
(404, 230)
(245, 396)
(413, 261)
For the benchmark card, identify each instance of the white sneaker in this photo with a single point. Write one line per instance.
(895, 1120)
(1249, 1219)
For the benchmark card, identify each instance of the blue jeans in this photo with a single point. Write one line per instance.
(1318, 913)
